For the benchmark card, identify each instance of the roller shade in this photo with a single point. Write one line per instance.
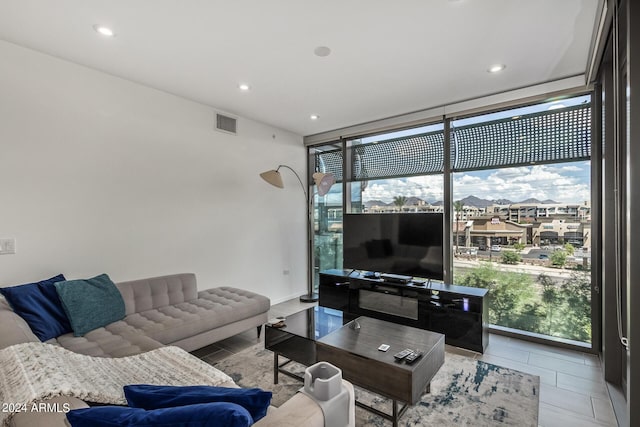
(561, 135)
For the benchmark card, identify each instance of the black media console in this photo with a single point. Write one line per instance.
(458, 312)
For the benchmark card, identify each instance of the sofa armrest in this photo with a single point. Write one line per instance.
(13, 328)
(303, 411)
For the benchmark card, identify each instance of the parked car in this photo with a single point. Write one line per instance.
(469, 251)
(543, 256)
(495, 248)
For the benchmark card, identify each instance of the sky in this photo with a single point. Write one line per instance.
(562, 182)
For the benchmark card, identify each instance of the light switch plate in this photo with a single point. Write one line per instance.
(7, 246)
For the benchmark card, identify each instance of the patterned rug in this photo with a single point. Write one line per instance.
(464, 392)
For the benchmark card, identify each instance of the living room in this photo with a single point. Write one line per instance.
(108, 172)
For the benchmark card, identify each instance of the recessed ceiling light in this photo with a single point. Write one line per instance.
(244, 87)
(556, 106)
(496, 68)
(105, 31)
(314, 117)
(322, 51)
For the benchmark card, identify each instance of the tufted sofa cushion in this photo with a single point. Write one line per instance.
(156, 292)
(115, 340)
(210, 309)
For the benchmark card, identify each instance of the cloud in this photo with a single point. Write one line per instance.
(429, 188)
(564, 183)
(571, 169)
(542, 182)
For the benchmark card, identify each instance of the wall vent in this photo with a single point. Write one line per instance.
(226, 124)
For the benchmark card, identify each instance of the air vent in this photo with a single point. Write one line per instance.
(226, 124)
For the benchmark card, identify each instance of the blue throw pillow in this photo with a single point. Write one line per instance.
(38, 304)
(90, 303)
(255, 400)
(203, 415)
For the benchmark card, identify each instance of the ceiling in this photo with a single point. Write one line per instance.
(387, 58)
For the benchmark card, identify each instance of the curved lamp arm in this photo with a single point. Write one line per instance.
(297, 176)
(324, 181)
(274, 178)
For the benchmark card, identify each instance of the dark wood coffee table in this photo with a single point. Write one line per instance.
(354, 349)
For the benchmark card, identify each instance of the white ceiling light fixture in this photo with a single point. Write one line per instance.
(244, 87)
(496, 68)
(314, 117)
(105, 31)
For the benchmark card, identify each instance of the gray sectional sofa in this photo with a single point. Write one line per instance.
(170, 311)
(166, 310)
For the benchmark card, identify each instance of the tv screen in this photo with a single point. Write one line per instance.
(399, 243)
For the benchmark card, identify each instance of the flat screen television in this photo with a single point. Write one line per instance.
(409, 244)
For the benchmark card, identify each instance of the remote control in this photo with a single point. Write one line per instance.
(402, 354)
(413, 357)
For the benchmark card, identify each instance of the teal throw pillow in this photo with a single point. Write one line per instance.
(90, 303)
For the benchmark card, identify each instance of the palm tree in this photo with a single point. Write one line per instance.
(400, 201)
(458, 206)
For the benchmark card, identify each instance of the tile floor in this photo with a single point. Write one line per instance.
(572, 390)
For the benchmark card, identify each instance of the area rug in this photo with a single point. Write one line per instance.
(464, 392)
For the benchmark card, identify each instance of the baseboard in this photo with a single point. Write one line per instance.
(287, 298)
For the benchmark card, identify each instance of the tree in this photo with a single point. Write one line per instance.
(559, 258)
(576, 310)
(510, 257)
(400, 201)
(555, 308)
(508, 292)
(530, 317)
(569, 249)
(458, 206)
(550, 298)
(519, 246)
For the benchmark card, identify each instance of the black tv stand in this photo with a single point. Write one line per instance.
(458, 312)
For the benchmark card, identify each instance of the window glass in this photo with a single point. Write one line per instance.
(327, 210)
(521, 219)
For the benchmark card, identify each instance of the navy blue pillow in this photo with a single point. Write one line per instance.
(255, 400)
(39, 305)
(220, 414)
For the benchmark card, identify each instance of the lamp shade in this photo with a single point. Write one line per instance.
(323, 181)
(273, 177)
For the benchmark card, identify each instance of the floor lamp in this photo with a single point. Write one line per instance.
(323, 181)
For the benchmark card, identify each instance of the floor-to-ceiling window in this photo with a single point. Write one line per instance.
(521, 220)
(326, 210)
(519, 203)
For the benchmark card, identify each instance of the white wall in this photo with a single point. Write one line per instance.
(99, 174)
